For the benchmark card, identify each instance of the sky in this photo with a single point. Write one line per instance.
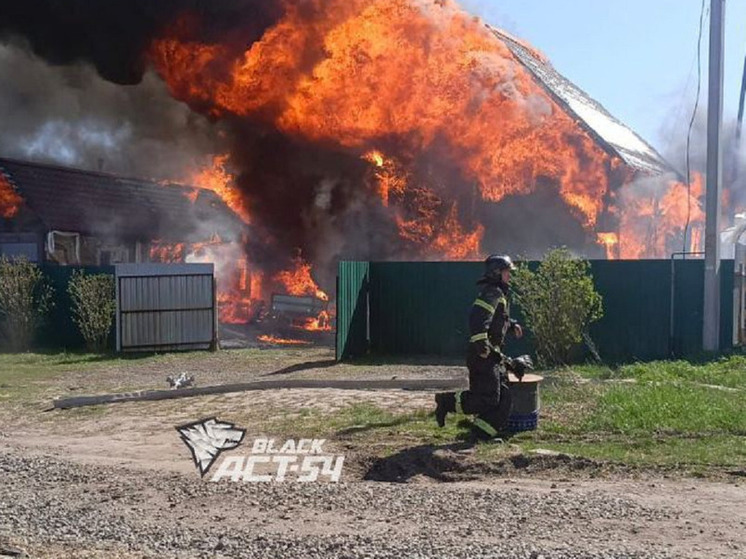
(636, 57)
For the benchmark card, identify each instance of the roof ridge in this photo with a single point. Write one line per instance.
(106, 174)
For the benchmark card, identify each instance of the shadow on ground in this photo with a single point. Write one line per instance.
(320, 364)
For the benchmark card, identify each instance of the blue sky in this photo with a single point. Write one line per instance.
(636, 57)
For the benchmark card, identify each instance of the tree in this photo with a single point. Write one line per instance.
(559, 302)
(25, 299)
(93, 307)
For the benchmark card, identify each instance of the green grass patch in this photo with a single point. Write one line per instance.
(674, 424)
(726, 371)
(673, 408)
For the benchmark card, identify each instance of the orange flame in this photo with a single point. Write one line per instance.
(239, 288)
(298, 280)
(650, 220)
(611, 242)
(267, 339)
(10, 200)
(219, 180)
(433, 77)
(351, 72)
(169, 253)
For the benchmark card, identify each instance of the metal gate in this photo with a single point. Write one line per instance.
(166, 307)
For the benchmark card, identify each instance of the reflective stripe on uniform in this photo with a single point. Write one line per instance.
(504, 301)
(478, 337)
(459, 406)
(485, 305)
(486, 427)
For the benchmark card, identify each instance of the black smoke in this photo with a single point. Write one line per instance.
(114, 35)
(77, 90)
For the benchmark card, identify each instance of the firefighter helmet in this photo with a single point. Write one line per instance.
(495, 264)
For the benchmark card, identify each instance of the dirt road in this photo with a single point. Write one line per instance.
(120, 483)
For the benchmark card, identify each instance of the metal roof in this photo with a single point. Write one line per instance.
(102, 204)
(616, 137)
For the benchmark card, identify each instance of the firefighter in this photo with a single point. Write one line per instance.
(488, 397)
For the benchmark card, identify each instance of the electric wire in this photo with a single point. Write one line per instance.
(691, 127)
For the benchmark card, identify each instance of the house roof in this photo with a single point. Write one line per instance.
(616, 138)
(107, 205)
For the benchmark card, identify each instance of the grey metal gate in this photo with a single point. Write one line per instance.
(166, 307)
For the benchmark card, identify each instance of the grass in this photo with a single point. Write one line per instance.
(727, 372)
(673, 414)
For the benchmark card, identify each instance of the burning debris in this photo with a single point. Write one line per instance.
(374, 130)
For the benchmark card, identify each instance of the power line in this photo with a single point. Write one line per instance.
(740, 104)
(691, 126)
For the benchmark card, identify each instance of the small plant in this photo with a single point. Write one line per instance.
(93, 306)
(559, 302)
(25, 299)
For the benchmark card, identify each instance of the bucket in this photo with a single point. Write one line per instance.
(525, 403)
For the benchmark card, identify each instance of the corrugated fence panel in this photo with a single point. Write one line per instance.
(689, 305)
(165, 307)
(352, 310)
(636, 299)
(421, 308)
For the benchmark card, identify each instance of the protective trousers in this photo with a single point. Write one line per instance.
(488, 397)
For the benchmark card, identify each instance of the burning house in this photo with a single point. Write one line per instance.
(387, 130)
(72, 217)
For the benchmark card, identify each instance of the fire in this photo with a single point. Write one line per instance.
(267, 339)
(322, 323)
(652, 214)
(219, 180)
(298, 281)
(431, 76)
(429, 96)
(611, 242)
(10, 200)
(239, 288)
(390, 180)
(161, 251)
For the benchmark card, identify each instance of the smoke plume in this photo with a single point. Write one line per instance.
(396, 129)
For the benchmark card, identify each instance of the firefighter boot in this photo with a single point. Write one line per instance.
(445, 402)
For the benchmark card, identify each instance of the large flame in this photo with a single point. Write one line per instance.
(427, 74)
(440, 86)
(652, 213)
(298, 281)
(217, 178)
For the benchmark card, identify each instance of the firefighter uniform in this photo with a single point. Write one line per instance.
(488, 397)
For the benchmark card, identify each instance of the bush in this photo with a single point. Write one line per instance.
(559, 301)
(93, 307)
(25, 299)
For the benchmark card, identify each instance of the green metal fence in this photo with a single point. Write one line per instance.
(352, 316)
(421, 308)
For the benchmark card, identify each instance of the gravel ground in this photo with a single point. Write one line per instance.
(55, 508)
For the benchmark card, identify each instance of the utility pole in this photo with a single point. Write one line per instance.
(711, 326)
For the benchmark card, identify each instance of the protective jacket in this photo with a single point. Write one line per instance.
(489, 320)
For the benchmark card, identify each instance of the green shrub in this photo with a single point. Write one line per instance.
(559, 301)
(25, 299)
(93, 307)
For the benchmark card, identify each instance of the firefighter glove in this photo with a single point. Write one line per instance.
(520, 365)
